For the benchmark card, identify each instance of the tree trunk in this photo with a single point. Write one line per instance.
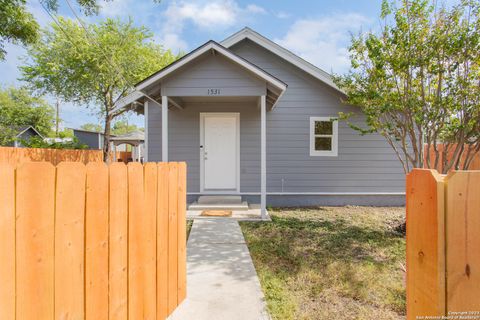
(106, 139)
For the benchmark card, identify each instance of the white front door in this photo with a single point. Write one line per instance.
(220, 151)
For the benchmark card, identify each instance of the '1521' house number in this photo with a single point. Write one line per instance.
(213, 92)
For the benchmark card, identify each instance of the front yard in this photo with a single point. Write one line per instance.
(330, 263)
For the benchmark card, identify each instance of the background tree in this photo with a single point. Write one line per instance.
(122, 127)
(17, 25)
(92, 127)
(19, 108)
(418, 81)
(94, 66)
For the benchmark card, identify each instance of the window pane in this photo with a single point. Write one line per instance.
(323, 144)
(323, 127)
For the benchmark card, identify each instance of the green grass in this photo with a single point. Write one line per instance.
(330, 263)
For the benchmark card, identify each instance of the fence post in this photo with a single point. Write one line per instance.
(425, 244)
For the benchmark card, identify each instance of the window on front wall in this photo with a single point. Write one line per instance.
(323, 136)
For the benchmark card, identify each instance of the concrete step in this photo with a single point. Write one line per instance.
(234, 200)
(218, 206)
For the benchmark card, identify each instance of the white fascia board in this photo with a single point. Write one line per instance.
(27, 128)
(209, 46)
(128, 99)
(285, 54)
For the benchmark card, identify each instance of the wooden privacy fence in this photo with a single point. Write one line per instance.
(443, 244)
(92, 241)
(15, 156)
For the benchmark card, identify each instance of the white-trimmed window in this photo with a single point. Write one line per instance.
(323, 136)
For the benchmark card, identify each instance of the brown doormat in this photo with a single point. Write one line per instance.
(216, 213)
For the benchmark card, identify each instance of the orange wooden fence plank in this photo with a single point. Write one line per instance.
(425, 244)
(172, 237)
(69, 241)
(149, 240)
(96, 242)
(35, 208)
(162, 240)
(138, 247)
(463, 241)
(7, 241)
(182, 231)
(16, 156)
(118, 242)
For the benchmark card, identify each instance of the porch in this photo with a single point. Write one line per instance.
(223, 141)
(209, 109)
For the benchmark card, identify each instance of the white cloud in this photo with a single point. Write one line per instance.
(324, 41)
(282, 15)
(253, 8)
(172, 41)
(213, 15)
(205, 15)
(116, 8)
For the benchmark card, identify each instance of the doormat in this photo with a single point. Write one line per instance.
(216, 213)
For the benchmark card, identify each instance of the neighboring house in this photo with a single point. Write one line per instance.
(58, 140)
(24, 133)
(250, 118)
(94, 140)
(135, 140)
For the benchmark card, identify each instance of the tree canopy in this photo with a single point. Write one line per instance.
(18, 108)
(418, 81)
(93, 66)
(17, 25)
(122, 127)
(119, 127)
(94, 127)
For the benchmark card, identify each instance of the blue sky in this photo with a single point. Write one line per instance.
(319, 31)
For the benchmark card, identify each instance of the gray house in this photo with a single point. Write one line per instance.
(24, 133)
(93, 139)
(252, 119)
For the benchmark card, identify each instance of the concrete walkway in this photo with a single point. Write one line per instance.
(221, 280)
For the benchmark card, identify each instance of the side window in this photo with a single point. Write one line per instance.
(323, 136)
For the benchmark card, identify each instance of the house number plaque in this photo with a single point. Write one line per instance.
(213, 91)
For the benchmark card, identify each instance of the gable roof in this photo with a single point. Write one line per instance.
(21, 129)
(211, 45)
(276, 86)
(247, 33)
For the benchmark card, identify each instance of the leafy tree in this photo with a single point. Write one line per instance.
(95, 66)
(17, 25)
(417, 81)
(37, 142)
(91, 127)
(122, 127)
(19, 108)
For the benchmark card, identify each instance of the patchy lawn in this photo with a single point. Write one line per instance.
(330, 262)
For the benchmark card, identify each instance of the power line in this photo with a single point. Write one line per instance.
(119, 73)
(87, 32)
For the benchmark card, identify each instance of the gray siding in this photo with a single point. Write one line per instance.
(213, 71)
(88, 138)
(364, 163)
(184, 139)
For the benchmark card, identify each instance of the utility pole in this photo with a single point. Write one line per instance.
(57, 118)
